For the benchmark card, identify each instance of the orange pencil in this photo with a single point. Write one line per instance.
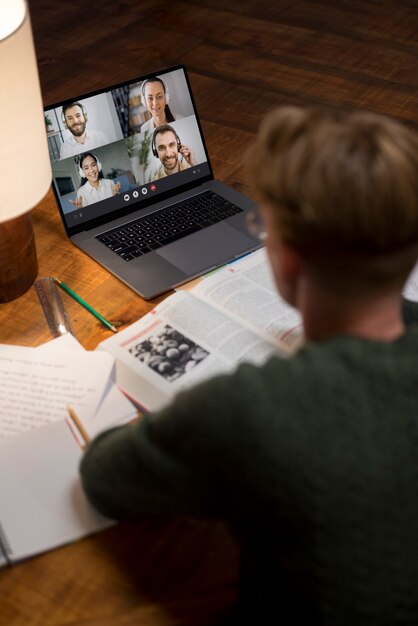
(78, 424)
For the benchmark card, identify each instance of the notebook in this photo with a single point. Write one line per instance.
(135, 186)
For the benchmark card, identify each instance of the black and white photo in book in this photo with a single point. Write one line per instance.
(169, 353)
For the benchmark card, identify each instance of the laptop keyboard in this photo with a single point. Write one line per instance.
(163, 227)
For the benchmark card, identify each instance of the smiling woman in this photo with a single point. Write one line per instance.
(155, 98)
(94, 187)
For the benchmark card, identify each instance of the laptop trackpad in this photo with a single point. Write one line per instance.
(207, 248)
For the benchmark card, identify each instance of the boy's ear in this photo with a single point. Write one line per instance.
(291, 261)
(286, 263)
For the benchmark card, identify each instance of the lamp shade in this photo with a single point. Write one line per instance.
(24, 159)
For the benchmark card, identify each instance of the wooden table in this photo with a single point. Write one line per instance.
(156, 572)
(244, 58)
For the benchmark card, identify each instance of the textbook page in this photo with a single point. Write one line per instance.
(411, 287)
(178, 344)
(37, 386)
(114, 409)
(245, 290)
(42, 503)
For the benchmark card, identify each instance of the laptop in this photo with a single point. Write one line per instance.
(135, 187)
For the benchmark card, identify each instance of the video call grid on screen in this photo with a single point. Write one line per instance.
(119, 126)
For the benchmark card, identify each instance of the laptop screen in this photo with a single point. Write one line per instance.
(125, 147)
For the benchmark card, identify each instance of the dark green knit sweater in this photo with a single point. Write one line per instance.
(313, 463)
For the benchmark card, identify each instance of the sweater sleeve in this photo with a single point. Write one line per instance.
(175, 461)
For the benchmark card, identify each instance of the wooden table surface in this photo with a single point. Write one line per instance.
(243, 58)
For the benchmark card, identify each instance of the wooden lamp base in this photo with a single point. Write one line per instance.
(18, 260)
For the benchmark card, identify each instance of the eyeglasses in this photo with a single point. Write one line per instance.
(255, 225)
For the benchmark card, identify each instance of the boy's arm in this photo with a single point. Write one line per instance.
(164, 463)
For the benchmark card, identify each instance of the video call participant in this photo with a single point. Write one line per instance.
(94, 187)
(74, 117)
(155, 99)
(311, 460)
(174, 156)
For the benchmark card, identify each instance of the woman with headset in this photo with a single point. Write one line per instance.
(155, 99)
(94, 187)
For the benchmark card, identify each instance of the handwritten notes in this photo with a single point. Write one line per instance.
(37, 386)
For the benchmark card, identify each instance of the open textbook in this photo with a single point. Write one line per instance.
(42, 504)
(229, 316)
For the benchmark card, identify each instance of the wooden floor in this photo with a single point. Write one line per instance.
(244, 57)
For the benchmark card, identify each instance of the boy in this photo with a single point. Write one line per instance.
(311, 461)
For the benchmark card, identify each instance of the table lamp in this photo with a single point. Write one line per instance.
(24, 160)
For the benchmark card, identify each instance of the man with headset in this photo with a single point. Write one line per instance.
(74, 117)
(166, 146)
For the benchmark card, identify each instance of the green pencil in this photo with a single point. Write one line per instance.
(84, 304)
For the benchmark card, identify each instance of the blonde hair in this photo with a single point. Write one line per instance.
(343, 185)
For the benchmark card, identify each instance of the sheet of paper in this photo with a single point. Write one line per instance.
(37, 386)
(42, 504)
(64, 342)
(114, 407)
(114, 410)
